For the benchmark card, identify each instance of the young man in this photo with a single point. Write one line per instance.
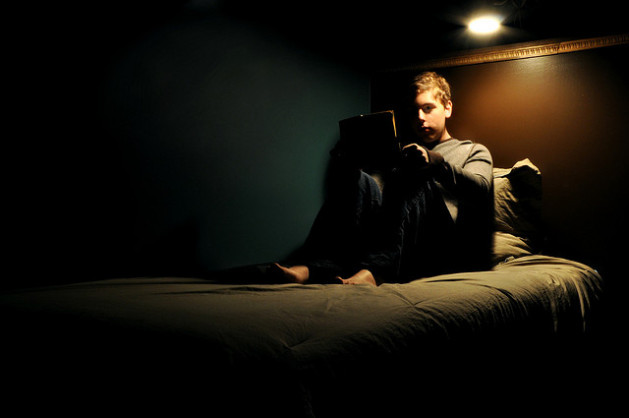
(433, 215)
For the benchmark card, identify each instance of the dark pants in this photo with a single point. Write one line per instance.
(399, 235)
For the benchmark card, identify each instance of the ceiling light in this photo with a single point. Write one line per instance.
(484, 25)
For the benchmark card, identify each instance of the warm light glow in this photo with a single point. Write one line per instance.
(484, 25)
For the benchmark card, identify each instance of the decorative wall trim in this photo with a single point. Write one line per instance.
(520, 51)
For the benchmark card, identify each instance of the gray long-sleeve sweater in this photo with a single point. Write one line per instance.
(466, 175)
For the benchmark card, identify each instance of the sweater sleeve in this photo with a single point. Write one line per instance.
(471, 174)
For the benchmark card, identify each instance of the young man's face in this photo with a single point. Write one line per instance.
(429, 120)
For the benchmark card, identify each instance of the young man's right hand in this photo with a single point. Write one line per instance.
(415, 155)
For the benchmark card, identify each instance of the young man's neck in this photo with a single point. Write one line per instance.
(445, 136)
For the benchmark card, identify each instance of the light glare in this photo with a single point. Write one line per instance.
(484, 25)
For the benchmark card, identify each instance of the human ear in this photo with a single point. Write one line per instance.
(448, 109)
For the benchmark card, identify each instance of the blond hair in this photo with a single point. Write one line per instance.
(430, 80)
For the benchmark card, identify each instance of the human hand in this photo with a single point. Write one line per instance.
(416, 154)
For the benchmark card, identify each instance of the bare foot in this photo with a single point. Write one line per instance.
(362, 277)
(295, 274)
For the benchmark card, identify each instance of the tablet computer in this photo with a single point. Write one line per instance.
(371, 140)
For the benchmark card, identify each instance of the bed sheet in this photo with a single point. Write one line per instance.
(316, 332)
(559, 293)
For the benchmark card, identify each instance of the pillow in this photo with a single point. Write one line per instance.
(518, 210)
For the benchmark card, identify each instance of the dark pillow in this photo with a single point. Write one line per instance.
(518, 210)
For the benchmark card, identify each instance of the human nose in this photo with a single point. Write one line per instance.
(421, 115)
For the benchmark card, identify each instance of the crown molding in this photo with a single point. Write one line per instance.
(521, 51)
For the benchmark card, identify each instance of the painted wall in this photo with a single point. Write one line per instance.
(228, 133)
(199, 144)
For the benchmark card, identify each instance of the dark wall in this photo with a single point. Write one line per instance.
(196, 143)
(227, 132)
(567, 113)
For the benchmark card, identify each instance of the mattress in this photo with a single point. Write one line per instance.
(298, 346)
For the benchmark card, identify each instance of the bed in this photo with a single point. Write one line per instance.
(237, 347)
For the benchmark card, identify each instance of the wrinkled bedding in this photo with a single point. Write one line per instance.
(321, 320)
(303, 333)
